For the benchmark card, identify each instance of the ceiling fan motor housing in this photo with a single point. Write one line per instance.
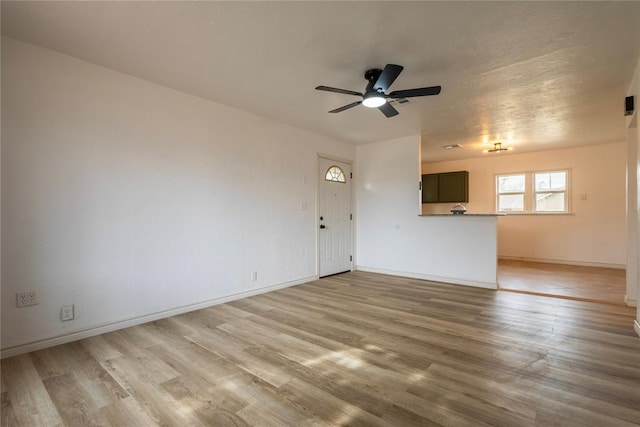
(372, 76)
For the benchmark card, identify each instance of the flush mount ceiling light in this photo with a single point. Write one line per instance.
(497, 147)
(452, 146)
(373, 99)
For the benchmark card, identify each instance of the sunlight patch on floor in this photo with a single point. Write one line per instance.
(413, 378)
(348, 413)
(342, 358)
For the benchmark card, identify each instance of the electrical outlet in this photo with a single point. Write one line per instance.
(67, 313)
(254, 276)
(26, 298)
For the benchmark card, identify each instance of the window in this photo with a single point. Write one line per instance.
(335, 174)
(511, 193)
(533, 192)
(549, 192)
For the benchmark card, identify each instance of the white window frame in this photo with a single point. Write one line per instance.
(511, 193)
(567, 194)
(332, 177)
(530, 193)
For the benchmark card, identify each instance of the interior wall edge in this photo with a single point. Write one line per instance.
(114, 326)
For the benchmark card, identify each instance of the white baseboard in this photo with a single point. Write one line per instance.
(564, 261)
(113, 326)
(636, 327)
(631, 302)
(450, 280)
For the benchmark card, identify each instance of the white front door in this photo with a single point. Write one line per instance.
(334, 210)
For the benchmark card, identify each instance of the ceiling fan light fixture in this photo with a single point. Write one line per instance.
(373, 100)
(497, 148)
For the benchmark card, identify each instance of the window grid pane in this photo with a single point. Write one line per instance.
(511, 203)
(550, 202)
(335, 174)
(511, 183)
(555, 181)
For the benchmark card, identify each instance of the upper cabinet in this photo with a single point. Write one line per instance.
(448, 187)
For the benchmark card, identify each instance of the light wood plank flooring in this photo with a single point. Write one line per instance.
(570, 281)
(356, 349)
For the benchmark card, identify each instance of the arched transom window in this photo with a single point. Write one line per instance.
(335, 174)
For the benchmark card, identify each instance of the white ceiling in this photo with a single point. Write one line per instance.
(545, 74)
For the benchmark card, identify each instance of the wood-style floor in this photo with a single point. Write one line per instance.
(570, 281)
(356, 349)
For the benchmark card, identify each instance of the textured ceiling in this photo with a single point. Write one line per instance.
(536, 75)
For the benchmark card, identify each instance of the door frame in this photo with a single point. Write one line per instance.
(320, 157)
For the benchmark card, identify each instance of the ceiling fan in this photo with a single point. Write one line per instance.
(375, 95)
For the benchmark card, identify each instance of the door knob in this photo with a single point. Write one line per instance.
(323, 226)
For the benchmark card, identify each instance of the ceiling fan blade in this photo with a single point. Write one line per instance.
(346, 107)
(336, 90)
(388, 76)
(388, 110)
(409, 93)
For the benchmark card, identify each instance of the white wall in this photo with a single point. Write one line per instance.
(595, 234)
(633, 139)
(632, 218)
(393, 239)
(127, 198)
